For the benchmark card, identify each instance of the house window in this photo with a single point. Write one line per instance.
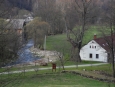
(95, 46)
(90, 46)
(90, 55)
(97, 56)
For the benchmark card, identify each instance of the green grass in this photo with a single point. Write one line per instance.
(107, 68)
(89, 34)
(67, 63)
(60, 43)
(45, 78)
(60, 40)
(57, 42)
(55, 80)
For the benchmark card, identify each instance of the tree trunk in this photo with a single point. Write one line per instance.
(79, 58)
(62, 62)
(75, 54)
(113, 69)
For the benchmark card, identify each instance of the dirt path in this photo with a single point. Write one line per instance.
(47, 68)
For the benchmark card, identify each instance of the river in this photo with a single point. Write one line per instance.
(25, 55)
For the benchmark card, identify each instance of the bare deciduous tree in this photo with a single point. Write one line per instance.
(75, 36)
(9, 41)
(109, 24)
(49, 13)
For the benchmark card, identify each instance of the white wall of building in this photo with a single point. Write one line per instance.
(93, 52)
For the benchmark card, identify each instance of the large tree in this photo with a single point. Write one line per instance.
(9, 43)
(9, 39)
(109, 29)
(83, 9)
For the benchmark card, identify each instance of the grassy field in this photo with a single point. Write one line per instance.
(56, 41)
(47, 78)
(60, 43)
(54, 80)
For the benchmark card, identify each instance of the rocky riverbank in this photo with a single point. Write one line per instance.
(45, 55)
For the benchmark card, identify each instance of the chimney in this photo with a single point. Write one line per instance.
(95, 36)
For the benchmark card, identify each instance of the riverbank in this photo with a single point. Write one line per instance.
(46, 56)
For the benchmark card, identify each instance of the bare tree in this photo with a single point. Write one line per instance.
(75, 36)
(62, 53)
(49, 13)
(36, 68)
(9, 41)
(108, 33)
(60, 60)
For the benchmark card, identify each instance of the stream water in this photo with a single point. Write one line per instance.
(25, 55)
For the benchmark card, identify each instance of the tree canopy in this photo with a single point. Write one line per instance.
(36, 30)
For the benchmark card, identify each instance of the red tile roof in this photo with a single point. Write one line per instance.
(105, 42)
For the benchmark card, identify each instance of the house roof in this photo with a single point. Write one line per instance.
(16, 23)
(106, 42)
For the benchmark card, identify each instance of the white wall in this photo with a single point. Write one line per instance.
(93, 48)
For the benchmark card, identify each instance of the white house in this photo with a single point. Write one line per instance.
(95, 50)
